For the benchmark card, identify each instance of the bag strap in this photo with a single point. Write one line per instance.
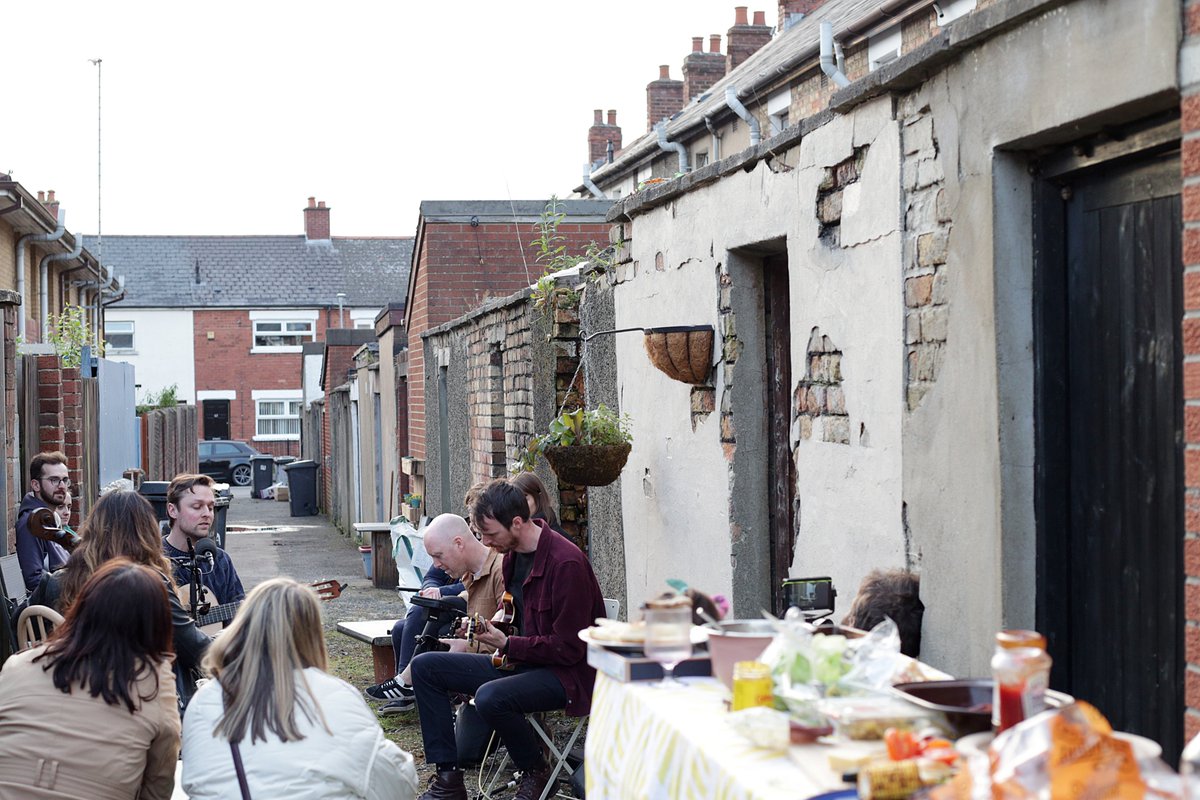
(241, 771)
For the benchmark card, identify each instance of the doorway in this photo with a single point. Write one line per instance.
(1109, 422)
(216, 419)
(781, 470)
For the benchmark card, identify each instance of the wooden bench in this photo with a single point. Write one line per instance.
(377, 633)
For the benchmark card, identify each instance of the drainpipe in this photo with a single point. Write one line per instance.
(109, 285)
(33, 237)
(663, 143)
(735, 105)
(827, 57)
(841, 57)
(716, 139)
(596, 191)
(44, 280)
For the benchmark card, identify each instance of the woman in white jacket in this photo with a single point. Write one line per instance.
(297, 731)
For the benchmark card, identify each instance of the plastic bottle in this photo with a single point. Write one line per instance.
(1021, 669)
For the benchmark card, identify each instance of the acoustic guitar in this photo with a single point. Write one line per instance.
(504, 622)
(212, 618)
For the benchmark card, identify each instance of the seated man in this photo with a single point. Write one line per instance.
(190, 503)
(892, 593)
(556, 595)
(49, 486)
(455, 550)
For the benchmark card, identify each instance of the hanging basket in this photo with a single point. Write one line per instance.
(588, 464)
(684, 353)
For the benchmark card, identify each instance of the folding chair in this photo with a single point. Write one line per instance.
(11, 579)
(34, 625)
(558, 756)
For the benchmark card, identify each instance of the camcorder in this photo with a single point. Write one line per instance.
(813, 596)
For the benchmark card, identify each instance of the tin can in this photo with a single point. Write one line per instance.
(752, 685)
(889, 780)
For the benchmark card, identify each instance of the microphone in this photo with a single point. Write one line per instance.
(206, 549)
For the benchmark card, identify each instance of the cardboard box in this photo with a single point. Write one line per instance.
(628, 667)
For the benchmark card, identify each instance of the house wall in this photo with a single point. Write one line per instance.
(163, 355)
(909, 307)
(368, 387)
(388, 440)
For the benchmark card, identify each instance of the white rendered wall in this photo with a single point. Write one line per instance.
(164, 351)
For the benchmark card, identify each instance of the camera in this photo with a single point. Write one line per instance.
(810, 594)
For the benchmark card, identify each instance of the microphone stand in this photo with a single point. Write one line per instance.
(194, 581)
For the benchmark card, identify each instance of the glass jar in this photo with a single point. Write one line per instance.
(752, 685)
(1021, 670)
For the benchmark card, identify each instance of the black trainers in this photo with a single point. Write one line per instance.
(390, 689)
(401, 706)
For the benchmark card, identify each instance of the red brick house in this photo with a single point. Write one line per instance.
(225, 318)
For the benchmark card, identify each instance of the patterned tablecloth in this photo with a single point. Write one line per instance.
(648, 742)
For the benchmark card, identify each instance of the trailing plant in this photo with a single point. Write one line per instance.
(600, 426)
(70, 333)
(553, 257)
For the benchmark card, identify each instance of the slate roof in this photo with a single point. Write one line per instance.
(257, 271)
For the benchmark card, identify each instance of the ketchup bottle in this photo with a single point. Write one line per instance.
(1021, 669)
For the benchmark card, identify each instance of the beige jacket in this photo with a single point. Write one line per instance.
(483, 591)
(55, 745)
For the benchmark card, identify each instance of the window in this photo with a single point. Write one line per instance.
(277, 419)
(702, 159)
(778, 105)
(361, 324)
(883, 48)
(118, 336)
(283, 333)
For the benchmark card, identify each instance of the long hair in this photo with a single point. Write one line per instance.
(117, 630)
(258, 660)
(533, 487)
(120, 525)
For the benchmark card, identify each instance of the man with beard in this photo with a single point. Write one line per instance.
(49, 487)
(190, 504)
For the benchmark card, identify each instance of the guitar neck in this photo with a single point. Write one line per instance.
(221, 613)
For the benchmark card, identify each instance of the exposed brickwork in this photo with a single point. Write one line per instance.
(316, 220)
(819, 402)
(701, 70)
(1190, 166)
(663, 97)
(830, 192)
(927, 227)
(601, 135)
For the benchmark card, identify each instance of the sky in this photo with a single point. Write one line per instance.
(225, 117)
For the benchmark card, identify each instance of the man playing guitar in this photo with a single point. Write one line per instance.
(190, 502)
(555, 595)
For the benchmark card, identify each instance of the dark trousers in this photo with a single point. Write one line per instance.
(405, 633)
(502, 698)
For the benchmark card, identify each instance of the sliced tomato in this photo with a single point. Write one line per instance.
(945, 755)
(901, 744)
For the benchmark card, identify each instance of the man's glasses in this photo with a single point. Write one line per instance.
(54, 480)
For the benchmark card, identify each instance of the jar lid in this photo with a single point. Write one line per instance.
(1020, 638)
(751, 669)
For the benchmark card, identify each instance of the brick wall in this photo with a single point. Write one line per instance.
(663, 97)
(225, 362)
(1190, 129)
(601, 134)
(59, 421)
(701, 70)
(458, 268)
(11, 434)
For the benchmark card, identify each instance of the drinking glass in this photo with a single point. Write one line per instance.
(668, 639)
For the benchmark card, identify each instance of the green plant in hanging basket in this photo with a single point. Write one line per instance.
(584, 448)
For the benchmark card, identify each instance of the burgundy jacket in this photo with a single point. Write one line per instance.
(560, 597)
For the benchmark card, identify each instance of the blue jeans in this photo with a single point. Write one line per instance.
(502, 699)
(405, 633)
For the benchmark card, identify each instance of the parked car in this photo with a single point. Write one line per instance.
(227, 460)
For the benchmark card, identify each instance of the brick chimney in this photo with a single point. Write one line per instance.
(700, 69)
(744, 39)
(316, 221)
(789, 7)
(50, 203)
(664, 97)
(601, 134)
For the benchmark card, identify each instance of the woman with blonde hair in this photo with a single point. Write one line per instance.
(92, 713)
(274, 724)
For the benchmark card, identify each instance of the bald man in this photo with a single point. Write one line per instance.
(454, 548)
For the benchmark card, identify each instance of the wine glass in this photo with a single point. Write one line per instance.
(668, 639)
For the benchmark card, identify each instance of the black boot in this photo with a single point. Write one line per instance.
(533, 783)
(446, 785)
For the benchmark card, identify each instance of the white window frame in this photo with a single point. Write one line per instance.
(286, 396)
(113, 349)
(883, 48)
(307, 335)
(778, 105)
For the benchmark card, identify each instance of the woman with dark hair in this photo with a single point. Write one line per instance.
(122, 525)
(93, 712)
(538, 499)
(274, 722)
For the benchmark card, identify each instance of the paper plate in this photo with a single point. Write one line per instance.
(699, 636)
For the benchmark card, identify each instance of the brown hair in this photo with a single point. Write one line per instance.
(501, 501)
(117, 630)
(183, 483)
(892, 593)
(532, 486)
(120, 525)
(38, 462)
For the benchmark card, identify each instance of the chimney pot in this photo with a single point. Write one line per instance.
(50, 196)
(739, 15)
(714, 43)
(41, 196)
(760, 18)
(697, 44)
(312, 202)
(664, 72)
(321, 204)
(612, 117)
(598, 119)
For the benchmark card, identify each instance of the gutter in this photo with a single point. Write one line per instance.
(735, 105)
(44, 281)
(596, 191)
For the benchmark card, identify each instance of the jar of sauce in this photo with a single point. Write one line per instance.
(1021, 669)
(752, 685)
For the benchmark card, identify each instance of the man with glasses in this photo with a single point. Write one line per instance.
(190, 504)
(49, 487)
